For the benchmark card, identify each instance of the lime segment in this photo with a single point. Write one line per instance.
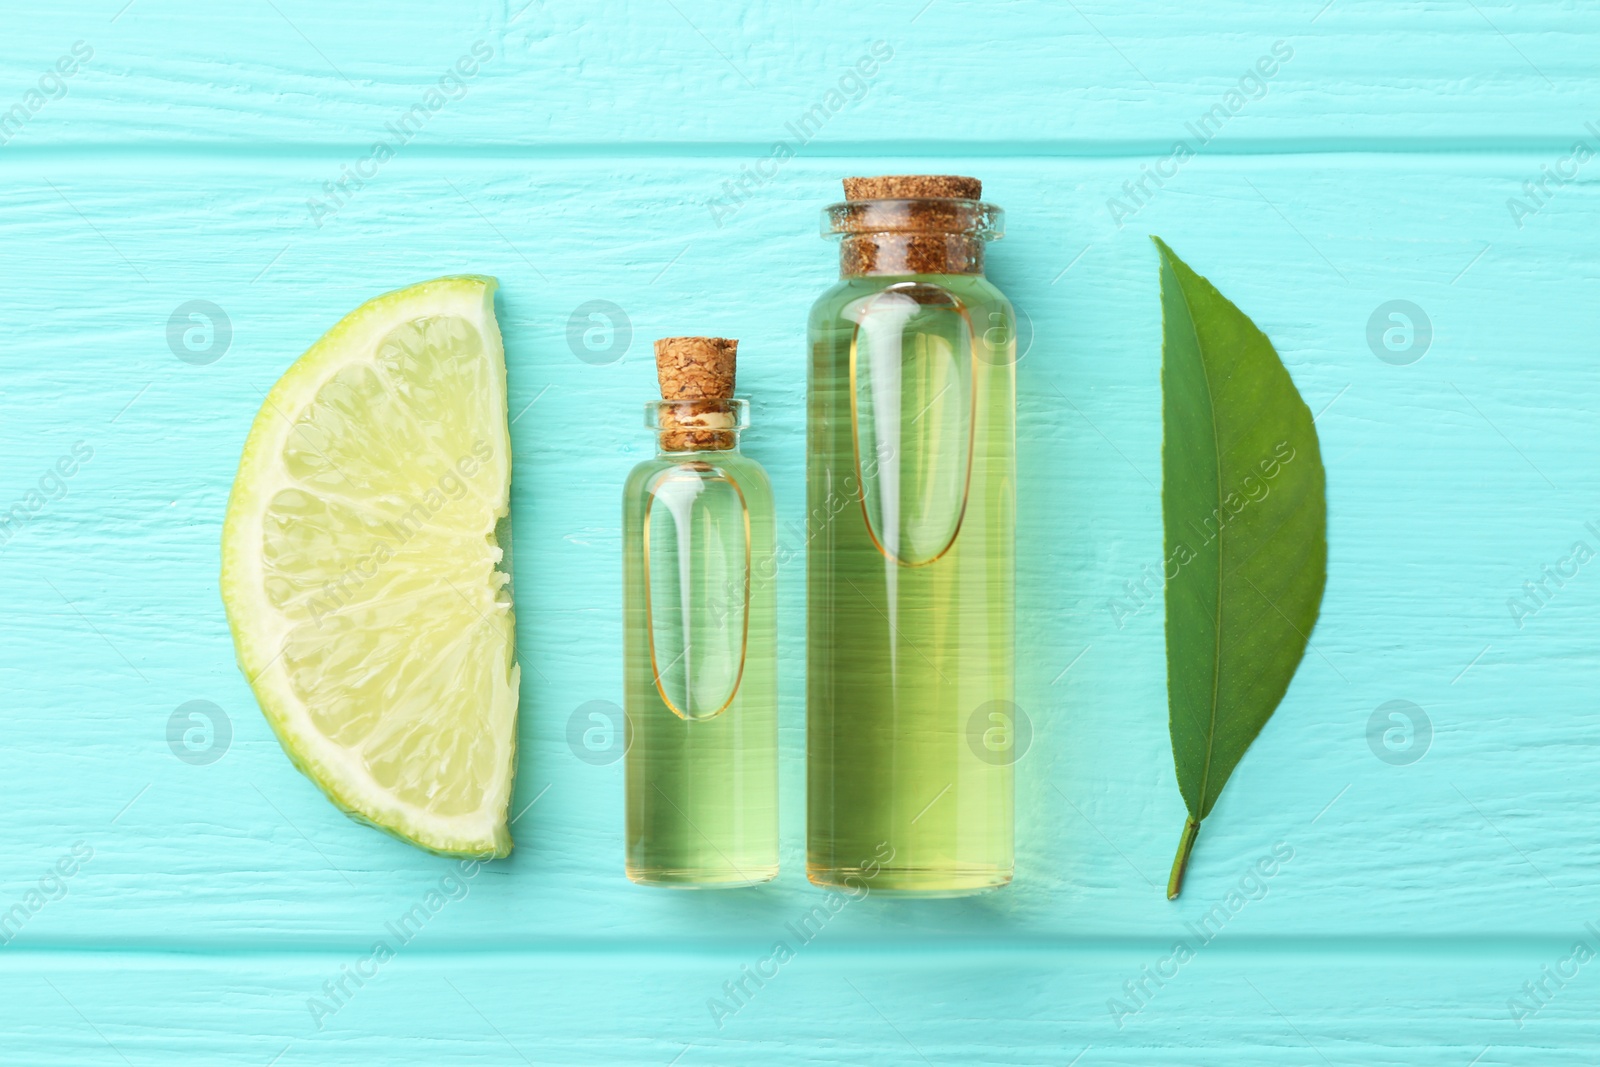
(359, 567)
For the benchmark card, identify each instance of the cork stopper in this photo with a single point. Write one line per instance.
(912, 224)
(697, 373)
(913, 187)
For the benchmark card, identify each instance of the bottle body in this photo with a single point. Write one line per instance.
(699, 641)
(910, 588)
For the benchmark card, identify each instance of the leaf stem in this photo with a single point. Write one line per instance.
(1180, 862)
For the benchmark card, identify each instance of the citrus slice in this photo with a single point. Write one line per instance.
(359, 567)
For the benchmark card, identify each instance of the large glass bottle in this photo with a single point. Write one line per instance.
(910, 503)
(699, 637)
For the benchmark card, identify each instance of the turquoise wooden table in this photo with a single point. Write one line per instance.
(190, 194)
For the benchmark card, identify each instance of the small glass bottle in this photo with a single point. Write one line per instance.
(699, 636)
(911, 488)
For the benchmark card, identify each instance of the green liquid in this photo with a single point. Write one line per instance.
(910, 588)
(700, 672)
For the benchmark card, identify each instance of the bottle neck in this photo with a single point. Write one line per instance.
(866, 254)
(679, 444)
(915, 235)
(685, 427)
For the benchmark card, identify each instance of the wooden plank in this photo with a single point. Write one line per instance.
(824, 1005)
(1080, 78)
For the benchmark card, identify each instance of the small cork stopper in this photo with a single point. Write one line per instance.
(697, 368)
(913, 187)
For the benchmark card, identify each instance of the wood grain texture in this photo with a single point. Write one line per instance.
(1420, 897)
(671, 76)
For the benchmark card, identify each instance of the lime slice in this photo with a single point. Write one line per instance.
(359, 567)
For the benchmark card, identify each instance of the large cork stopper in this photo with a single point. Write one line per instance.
(913, 187)
(911, 224)
(697, 369)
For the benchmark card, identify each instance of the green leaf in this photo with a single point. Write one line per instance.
(1245, 512)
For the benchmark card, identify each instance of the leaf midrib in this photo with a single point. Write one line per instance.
(1216, 459)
